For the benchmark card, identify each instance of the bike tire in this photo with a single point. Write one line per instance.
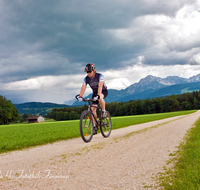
(86, 126)
(106, 125)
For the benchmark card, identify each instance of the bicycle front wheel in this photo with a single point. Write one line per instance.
(106, 125)
(86, 126)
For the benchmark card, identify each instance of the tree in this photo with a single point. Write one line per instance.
(49, 115)
(66, 116)
(8, 112)
(196, 104)
(73, 115)
(59, 116)
(186, 105)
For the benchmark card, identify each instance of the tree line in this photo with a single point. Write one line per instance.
(8, 112)
(186, 101)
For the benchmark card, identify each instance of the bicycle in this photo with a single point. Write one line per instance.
(86, 122)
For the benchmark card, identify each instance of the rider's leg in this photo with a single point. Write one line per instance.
(94, 111)
(102, 102)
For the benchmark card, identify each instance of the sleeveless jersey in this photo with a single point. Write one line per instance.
(94, 83)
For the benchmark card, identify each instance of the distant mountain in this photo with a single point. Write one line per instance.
(166, 91)
(150, 87)
(176, 89)
(70, 102)
(151, 82)
(37, 108)
(194, 78)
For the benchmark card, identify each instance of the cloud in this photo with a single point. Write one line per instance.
(195, 59)
(54, 40)
(65, 87)
(46, 82)
(164, 40)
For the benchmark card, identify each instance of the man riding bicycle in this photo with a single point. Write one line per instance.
(97, 84)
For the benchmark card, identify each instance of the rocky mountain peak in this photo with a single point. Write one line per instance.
(194, 78)
(152, 82)
(149, 79)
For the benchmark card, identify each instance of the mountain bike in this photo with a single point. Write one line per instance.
(87, 125)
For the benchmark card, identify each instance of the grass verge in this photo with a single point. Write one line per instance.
(186, 170)
(19, 136)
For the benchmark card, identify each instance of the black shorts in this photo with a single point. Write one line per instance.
(104, 92)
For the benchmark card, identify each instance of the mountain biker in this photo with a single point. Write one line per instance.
(97, 84)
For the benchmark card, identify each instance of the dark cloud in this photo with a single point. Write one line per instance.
(48, 37)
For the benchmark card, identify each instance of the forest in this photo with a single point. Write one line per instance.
(186, 101)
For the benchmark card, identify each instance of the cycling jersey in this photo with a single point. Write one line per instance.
(94, 83)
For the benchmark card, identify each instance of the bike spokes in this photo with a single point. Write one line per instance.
(106, 125)
(86, 127)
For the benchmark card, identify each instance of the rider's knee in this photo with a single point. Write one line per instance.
(101, 97)
(93, 109)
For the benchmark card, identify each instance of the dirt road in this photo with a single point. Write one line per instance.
(125, 160)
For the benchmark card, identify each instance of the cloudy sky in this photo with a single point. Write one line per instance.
(45, 44)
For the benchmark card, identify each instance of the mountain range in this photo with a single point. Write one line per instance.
(152, 87)
(148, 87)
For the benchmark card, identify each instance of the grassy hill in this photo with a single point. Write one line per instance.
(37, 108)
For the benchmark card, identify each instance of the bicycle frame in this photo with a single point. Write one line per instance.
(89, 100)
(89, 109)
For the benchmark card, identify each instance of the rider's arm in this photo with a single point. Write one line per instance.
(100, 87)
(82, 90)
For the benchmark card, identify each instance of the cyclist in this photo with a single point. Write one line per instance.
(97, 84)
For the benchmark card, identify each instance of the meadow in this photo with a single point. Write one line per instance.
(20, 136)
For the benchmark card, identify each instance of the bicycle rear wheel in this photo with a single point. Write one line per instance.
(86, 126)
(106, 125)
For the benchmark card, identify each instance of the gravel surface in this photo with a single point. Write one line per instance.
(128, 159)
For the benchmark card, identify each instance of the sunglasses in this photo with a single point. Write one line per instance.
(89, 71)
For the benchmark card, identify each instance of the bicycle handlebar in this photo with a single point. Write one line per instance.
(86, 99)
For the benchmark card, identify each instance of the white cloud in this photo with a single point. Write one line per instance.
(46, 82)
(61, 88)
(123, 78)
(162, 36)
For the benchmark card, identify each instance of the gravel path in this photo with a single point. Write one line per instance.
(125, 160)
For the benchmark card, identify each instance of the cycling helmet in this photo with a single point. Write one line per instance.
(89, 67)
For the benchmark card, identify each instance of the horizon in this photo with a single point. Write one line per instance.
(108, 89)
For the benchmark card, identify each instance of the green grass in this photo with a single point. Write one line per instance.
(186, 171)
(49, 120)
(119, 122)
(19, 136)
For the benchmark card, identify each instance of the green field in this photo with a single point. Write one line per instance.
(19, 136)
(186, 171)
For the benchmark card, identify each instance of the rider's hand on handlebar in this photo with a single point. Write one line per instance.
(96, 98)
(80, 99)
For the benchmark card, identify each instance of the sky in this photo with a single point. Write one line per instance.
(45, 44)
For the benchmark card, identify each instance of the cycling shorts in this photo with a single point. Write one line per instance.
(104, 92)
